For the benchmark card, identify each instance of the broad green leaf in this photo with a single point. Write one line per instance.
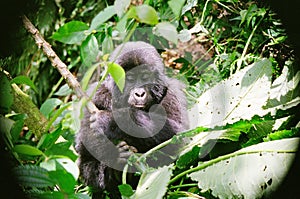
(252, 172)
(121, 6)
(63, 91)
(167, 30)
(6, 96)
(126, 190)
(64, 180)
(153, 183)
(70, 166)
(102, 17)
(284, 89)
(107, 45)
(33, 176)
(24, 80)
(89, 50)
(71, 33)
(65, 163)
(27, 150)
(176, 6)
(146, 14)
(118, 74)
(49, 105)
(49, 139)
(241, 96)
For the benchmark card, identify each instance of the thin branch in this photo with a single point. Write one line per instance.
(58, 64)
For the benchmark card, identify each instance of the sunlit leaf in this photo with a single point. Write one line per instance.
(176, 6)
(118, 74)
(102, 17)
(121, 6)
(49, 105)
(89, 50)
(252, 172)
(27, 150)
(71, 33)
(167, 30)
(24, 80)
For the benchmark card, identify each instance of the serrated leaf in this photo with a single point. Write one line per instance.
(102, 17)
(118, 74)
(89, 50)
(241, 96)
(49, 105)
(146, 14)
(121, 6)
(153, 183)
(46, 195)
(252, 172)
(24, 80)
(71, 33)
(167, 30)
(27, 150)
(33, 176)
(176, 6)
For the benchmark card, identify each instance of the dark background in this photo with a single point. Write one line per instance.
(10, 22)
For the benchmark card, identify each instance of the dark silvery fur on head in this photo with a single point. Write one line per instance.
(150, 110)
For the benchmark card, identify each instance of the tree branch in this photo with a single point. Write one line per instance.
(58, 64)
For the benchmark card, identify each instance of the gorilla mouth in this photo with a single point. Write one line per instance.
(139, 105)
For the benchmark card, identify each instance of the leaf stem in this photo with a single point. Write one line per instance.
(221, 158)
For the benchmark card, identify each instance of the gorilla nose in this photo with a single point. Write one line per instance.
(139, 93)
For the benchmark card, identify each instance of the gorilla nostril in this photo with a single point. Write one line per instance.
(140, 93)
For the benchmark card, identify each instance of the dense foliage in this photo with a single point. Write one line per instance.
(242, 85)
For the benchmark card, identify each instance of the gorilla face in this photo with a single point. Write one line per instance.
(137, 111)
(143, 89)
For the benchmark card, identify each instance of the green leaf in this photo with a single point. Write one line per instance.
(89, 50)
(176, 6)
(49, 105)
(46, 195)
(102, 17)
(49, 139)
(126, 190)
(27, 150)
(241, 96)
(252, 172)
(33, 176)
(144, 14)
(64, 180)
(63, 91)
(121, 6)
(118, 74)
(24, 80)
(6, 96)
(167, 30)
(188, 158)
(71, 33)
(153, 183)
(107, 45)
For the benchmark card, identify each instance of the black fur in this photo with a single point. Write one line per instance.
(151, 110)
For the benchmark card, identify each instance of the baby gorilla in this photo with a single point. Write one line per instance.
(150, 110)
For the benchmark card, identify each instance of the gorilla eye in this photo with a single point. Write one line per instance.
(145, 76)
(130, 78)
